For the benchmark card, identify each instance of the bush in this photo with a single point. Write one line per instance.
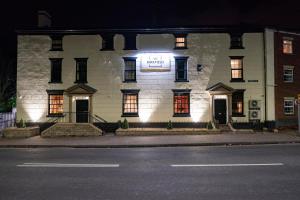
(169, 125)
(209, 125)
(125, 124)
(22, 124)
(120, 125)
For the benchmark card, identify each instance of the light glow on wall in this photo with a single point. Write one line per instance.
(35, 114)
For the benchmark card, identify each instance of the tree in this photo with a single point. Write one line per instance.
(7, 81)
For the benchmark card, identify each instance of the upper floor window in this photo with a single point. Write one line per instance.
(55, 102)
(130, 42)
(107, 42)
(287, 44)
(81, 70)
(57, 44)
(130, 69)
(181, 69)
(288, 105)
(236, 63)
(236, 41)
(55, 70)
(181, 103)
(238, 103)
(180, 41)
(130, 105)
(288, 74)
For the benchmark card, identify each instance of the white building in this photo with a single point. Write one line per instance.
(146, 75)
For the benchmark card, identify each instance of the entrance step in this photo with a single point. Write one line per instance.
(224, 128)
(71, 129)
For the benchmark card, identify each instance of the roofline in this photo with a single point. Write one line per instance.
(220, 29)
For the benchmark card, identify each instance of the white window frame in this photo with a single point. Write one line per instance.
(285, 68)
(291, 100)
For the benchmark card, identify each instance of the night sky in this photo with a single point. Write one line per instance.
(144, 14)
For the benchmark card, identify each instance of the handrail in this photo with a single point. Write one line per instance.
(101, 118)
(64, 117)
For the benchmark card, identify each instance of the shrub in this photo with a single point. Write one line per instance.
(125, 124)
(22, 123)
(209, 125)
(120, 125)
(169, 125)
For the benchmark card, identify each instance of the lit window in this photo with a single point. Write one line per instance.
(130, 103)
(130, 69)
(55, 102)
(288, 105)
(181, 103)
(287, 46)
(180, 42)
(238, 103)
(236, 68)
(288, 74)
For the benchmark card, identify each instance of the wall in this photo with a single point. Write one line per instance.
(283, 89)
(105, 73)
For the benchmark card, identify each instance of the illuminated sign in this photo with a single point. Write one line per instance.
(155, 62)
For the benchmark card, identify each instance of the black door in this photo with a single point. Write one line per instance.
(220, 110)
(82, 111)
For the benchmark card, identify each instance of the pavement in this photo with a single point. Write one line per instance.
(112, 141)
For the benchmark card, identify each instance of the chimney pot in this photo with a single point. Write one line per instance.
(44, 19)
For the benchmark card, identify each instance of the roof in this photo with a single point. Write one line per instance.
(156, 30)
(80, 89)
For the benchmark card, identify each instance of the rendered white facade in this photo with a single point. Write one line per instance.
(105, 71)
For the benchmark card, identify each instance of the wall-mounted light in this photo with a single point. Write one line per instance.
(199, 68)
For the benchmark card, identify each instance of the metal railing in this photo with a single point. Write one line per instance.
(7, 120)
(76, 117)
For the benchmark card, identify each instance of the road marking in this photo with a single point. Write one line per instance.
(66, 165)
(228, 165)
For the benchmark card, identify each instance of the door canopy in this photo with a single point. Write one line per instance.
(80, 89)
(220, 88)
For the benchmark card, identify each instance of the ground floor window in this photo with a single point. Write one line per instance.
(238, 103)
(55, 102)
(288, 105)
(130, 103)
(181, 103)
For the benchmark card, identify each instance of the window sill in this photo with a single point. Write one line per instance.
(181, 81)
(180, 48)
(130, 49)
(80, 82)
(238, 115)
(107, 49)
(182, 115)
(55, 82)
(288, 81)
(237, 80)
(55, 115)
(130, 115)
(289, 115)
(56, 50)
(237, 47)
(133, 81)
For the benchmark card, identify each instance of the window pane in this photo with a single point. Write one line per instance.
(130, 103)
(55, 104)
(236, 73)
(181, 104)
(287, 46)
(236, 64)
(288, 106)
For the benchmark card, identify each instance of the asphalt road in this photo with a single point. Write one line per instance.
(237, 172)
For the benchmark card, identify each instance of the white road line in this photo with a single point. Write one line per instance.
(66, 165)
(227, 165)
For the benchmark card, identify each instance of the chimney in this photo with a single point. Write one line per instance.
(44, 19)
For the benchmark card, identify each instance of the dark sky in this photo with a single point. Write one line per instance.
(138, 13)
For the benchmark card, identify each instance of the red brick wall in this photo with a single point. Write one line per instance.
(286, 89)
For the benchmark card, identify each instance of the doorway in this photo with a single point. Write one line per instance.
(82, 111)
(220, 111)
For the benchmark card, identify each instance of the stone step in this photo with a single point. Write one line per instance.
(71, 129)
